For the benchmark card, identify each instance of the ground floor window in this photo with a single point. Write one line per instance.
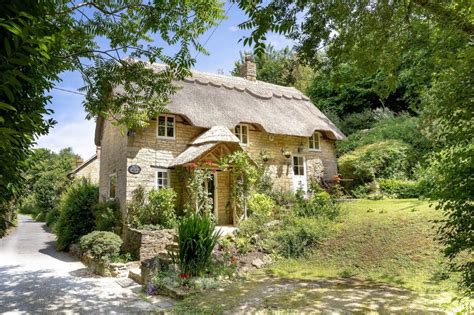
(162, 178)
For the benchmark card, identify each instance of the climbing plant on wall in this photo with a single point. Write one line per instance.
(243, 177)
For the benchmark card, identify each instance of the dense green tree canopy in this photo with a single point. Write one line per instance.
(425, 41)
(280, 67)
(41, 39)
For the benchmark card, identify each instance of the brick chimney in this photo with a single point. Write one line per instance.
(248, 69)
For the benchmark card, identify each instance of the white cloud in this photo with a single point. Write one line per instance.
(233, 28)
(279, 41)
(77, 134)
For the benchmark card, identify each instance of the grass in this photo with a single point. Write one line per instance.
(374, 242)
(391, 241)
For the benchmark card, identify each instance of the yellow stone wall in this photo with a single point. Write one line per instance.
(150, 153)
(90, 172)
(113, 160)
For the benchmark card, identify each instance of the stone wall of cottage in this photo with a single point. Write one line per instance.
(113, 161)
(322, 163)
(90, 172)
(151, 153)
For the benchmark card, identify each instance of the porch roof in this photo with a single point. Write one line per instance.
(205, 143)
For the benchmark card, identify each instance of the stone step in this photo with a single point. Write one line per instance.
(136, 275)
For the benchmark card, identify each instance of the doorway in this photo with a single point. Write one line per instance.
(299, 173)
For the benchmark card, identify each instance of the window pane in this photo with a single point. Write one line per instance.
(311, 143)
(160, 182)
(237, 129)
(161, 126)
(244, 138)
(170, 132)
(295, 170)
(170, 125)
(161, 120)
(301, 170)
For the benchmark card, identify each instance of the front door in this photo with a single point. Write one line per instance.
(299, 173)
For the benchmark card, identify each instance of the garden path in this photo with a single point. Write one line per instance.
(35, 278)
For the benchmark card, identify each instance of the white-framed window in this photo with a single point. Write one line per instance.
(313, 142)
(162, 178)
(242, 132)
(166, 127)
(112, 185)
(298, 165)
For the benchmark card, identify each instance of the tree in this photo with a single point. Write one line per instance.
(280, 67)
(41, 39)
(429, 41)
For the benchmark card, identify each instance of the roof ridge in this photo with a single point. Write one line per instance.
(260, 89)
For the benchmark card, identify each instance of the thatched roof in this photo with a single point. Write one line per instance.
(216, 134)
(205, 143)
(207, 100)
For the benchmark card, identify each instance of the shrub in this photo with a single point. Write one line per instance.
(161, 208)
(108, 216)
(52, 217)
(358, 121)
(299, 236)
(317, 205)
(28, 206)
(77, 218)
(159, 211)
(260, 204)
(399, 188)
(47, 190)
(361, 191)
(384, 159)
(101, 245)
(403, 128)
(283, 197)
(196, 241)
(40, 217)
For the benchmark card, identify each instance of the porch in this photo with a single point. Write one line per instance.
(206, 152)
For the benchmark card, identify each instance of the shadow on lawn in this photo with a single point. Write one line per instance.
(322, 295)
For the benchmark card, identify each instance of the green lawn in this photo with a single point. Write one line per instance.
(384, 240)
(375, 243)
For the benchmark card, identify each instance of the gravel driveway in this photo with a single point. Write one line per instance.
(34, 277)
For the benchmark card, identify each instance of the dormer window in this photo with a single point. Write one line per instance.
(242, 132)
(313, 142)
(166, 127)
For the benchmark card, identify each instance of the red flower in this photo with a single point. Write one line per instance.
(193, 165)
(184, 276)
(209, 162)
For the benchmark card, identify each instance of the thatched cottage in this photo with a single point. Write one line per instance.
(210, 116)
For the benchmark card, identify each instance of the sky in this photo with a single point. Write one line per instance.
(75, 131)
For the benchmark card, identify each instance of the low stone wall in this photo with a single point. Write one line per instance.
(148, 244)
(108, 269)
